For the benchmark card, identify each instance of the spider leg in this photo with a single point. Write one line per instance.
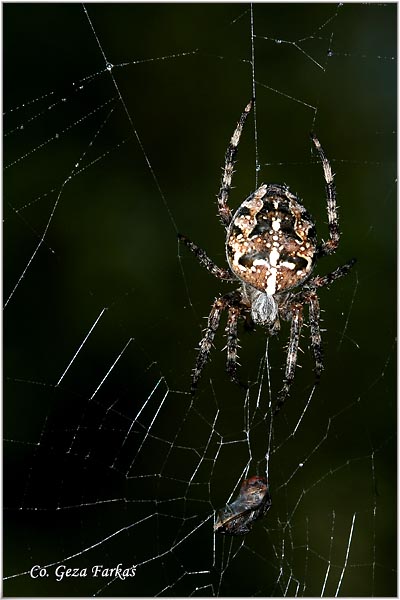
(323, 280)
(229, 301)
(206, 261)
(308, 296)
(232, 343)
(207, 341)
(311, 298)
(331, 245)
(224, 211)
(315, 333)
(291, 360)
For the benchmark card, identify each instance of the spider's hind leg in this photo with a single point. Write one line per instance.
(224, 211)
(331, 245)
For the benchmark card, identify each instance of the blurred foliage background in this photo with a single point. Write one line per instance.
(121, 159)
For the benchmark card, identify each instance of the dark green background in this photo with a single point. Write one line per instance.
(112, 243)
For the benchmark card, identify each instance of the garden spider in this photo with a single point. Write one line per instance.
(271, 249)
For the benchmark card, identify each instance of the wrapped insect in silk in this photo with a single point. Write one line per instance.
(253, 502)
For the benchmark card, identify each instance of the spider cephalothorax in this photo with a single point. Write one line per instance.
(271, 249)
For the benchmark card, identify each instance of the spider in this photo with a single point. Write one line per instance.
(271, 250)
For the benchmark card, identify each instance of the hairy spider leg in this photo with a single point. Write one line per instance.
(323, 280)
(232, 343)
(204, 260)
(315, 333)
(291, 358)
(331, 245)
(308, 296)
(224, 211)
(206, 343)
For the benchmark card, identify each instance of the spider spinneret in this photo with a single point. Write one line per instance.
(271, 249)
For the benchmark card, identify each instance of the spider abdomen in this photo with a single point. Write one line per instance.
(271, 240)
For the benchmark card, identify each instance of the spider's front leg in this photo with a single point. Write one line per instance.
(291, 360)
(315, 333)
(232, 343)
(207, 341)
(230, 302)
(308, 295)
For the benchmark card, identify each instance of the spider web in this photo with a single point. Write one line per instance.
(116, 119)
